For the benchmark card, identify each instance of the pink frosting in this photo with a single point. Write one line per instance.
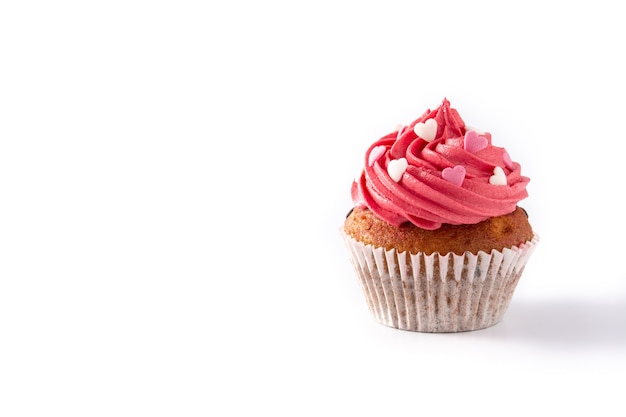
(456, 178)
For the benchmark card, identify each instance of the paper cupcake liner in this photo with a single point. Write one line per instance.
(438, 293)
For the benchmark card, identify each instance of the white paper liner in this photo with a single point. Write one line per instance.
(438, 293)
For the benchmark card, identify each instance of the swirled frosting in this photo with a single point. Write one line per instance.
(438, 170)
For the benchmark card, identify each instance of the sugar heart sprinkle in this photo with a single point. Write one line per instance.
(473, 142)
(498, 177)
(396, 168)
(426, 130)
(375, 154)
(507, 161)
(454, 175)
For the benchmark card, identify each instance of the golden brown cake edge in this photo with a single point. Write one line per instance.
(496, 233)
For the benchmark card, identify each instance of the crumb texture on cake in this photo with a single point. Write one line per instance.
(494, 233)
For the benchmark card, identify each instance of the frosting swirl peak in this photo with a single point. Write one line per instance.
(438, 170)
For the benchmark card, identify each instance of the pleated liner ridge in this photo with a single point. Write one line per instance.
(438, 293)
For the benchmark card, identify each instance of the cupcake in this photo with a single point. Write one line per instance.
(436, 236)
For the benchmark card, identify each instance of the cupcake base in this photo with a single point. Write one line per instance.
(438, 293)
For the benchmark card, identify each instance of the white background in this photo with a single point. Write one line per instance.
(173, 176)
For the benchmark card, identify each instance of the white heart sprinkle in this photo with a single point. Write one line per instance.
(396, 168)
(426, 130)
(498, 177)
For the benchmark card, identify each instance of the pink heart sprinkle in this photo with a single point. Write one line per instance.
(376, 153)
(473, 142)
(507, 161)
(454, 175)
